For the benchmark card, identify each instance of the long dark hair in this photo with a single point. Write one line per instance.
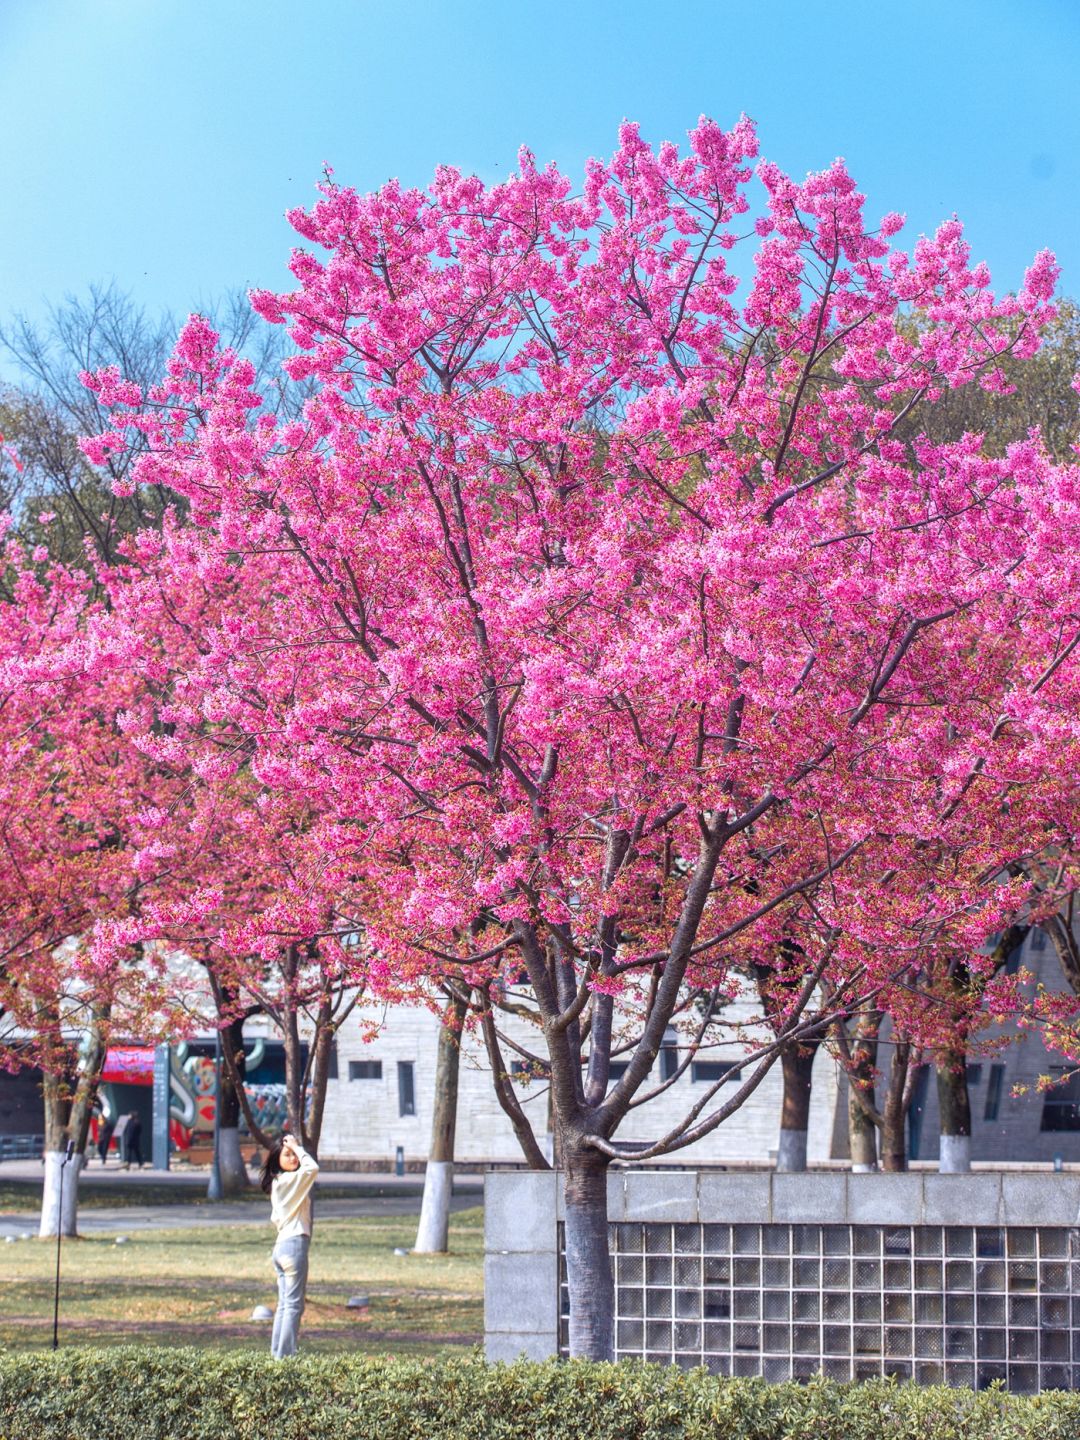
(272, 1166)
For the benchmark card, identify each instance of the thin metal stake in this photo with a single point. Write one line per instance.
(59, 1237)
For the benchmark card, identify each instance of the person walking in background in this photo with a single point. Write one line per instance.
(106, 1126)
(133, 1140)
(288, 1175)
(120, 1132)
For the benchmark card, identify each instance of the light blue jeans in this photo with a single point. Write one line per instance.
(291, 1264)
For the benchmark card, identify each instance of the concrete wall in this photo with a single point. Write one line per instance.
(1006, 1239)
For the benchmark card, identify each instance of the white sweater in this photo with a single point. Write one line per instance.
(290, 1198)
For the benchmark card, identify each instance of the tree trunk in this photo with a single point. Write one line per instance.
(68, 1101)
(797, 1063)
(432, 1235)
(588, 1260)
(231, 1168)
(954, 1105)
(894, 1155)
(862, 1130)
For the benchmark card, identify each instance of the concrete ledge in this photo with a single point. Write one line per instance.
(880, 1200)
(662, 1195)
(796, 1196)
(742, 1199)
(1040, 1200)
(522, 1207)
(962, 1199)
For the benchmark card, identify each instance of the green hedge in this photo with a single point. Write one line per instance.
(153, 1394)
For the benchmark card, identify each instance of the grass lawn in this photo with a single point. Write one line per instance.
(184, 1287)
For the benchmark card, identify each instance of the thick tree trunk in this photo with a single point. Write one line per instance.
(797, 1063)
(862, 1130)
(68, 1101)
(894, 1150)
(588, 1260)
(432, 1235)
(954, 1105)
(60, 1213)
(234, 1176)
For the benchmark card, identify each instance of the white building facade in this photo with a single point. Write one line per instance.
(380, 1099)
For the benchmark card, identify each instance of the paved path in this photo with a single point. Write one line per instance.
(372, 1195)
(130, 1219)
(363, 1181)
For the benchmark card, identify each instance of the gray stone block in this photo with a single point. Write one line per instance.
(1040, 1199)
(742, 1199)
(521, 1294)
(508, 1348)
(810, 1198)
(962, 1199)
(885, 1199)
(662, 1195)
(519, 1210)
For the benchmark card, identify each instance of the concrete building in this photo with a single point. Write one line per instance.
(380, 1099)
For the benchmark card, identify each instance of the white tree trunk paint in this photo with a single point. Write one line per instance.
(864, 1169)
(234, 1175)
(954, 1154)
(791, 1152)
(432, 1234)
(51, 1217)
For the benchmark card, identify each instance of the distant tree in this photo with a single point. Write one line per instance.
(45, 408)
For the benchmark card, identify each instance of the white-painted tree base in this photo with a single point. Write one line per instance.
(234, 1175)
(53, 1221)
(433, 1232)
(864, 1169)
(791, 1151)
(954, 1154)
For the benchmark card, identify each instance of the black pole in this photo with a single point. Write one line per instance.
(59, 1236)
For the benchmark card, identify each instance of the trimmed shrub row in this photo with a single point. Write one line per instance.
(187, 1394)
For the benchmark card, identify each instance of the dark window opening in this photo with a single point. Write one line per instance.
(669, 1057)
(1061, 1105)
(331, 1068)
(1038, 939)
(365, 1069)
(406, 1087)
(974, 1074)
(993, 1092)
(713, 1070)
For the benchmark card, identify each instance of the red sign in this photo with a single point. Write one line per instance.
(129, 1065)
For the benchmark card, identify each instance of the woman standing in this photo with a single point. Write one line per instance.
(287, 1177)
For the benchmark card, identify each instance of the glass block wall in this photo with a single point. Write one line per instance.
(958, 1304)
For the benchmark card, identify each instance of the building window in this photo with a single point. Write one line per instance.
(1038, 939)
(709, 1071)
(993, 1092)
(617, 1069)
(365, 1069)
(669, 1056)
(331, 1068)
(1061, 1106)
(973, 1074)
(406, 1088)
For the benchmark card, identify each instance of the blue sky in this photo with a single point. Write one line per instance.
(158, 143)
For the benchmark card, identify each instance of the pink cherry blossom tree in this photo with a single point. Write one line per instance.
(621, 602)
